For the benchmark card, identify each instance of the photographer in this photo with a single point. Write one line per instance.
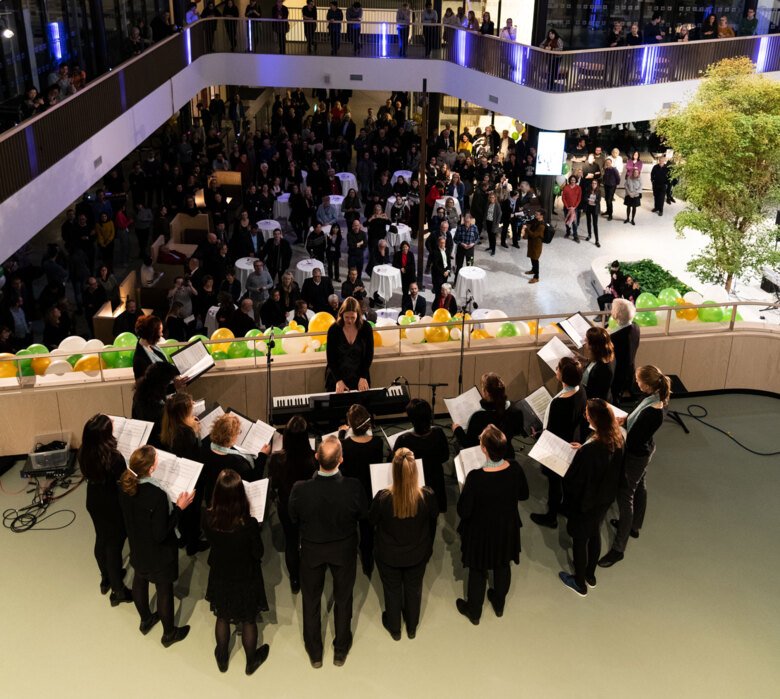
(183, 291)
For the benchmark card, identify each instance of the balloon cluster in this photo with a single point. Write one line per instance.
(712, 313)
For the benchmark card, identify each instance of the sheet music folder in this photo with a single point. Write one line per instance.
(193, 360)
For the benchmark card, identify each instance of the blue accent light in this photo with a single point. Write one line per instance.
(761, 54)
(122, 91)
(461, 47)
(55, 40)
(520, 56)
(384, 40)
(188, 45)
(32, 153)
(649, 58)
(249, 36)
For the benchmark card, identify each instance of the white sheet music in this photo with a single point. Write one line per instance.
(466, 461)
(575, 327)
(193, 360)
(198, 407)
(130, 434)
(382, 476)
(207, 421)
(538, 401)
(617, 411)
(553, 352)
(392, 439)
(253, 436)
(176, 475)
(462, 407)
(553, 452)
(257, 494)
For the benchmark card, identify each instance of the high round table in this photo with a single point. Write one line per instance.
(470, 278)
(441, 202)
(336, 201)
(303, 270)
(406, 174)
(244, 267)
(385, 280)
(282, 206)
(404, 234)
(267, 227)
(348, 181)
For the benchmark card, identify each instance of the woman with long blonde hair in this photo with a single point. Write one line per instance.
(405, 519)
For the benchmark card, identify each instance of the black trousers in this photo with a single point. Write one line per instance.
(475, 590)
(605, 300)
(429, 34)
(403, 594)
(316, 559)
(108, 554)
(514, 224)
(335, 40)
(403, 40)
(609, 196)
(592, 217)
(491, 234)
(659, 198)
(353, 33)
(437, 279)
(586, 552)
(554, 492)
(464, 256)
(535, 268)
(308, 31)
(282, 39)
(292, 552)
(333, 268)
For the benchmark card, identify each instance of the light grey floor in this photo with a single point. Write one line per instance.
(691, 612)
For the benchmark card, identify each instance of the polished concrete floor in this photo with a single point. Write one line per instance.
(692, 611)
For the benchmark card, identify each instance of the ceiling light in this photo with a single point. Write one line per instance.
(6, 32)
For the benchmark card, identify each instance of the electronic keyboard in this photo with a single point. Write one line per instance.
(324, 407)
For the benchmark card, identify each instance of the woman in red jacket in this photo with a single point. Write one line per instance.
(572, 196)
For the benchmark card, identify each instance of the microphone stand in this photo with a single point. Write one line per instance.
(432, 385)
(463, 310)
(270, 344)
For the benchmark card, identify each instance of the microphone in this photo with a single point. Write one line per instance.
(470, 299)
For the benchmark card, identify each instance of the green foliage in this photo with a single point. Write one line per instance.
(727, 158)
(652, 277)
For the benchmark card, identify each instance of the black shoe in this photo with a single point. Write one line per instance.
(673, 201)
(222, 663)
(616, 523)
(179, 633)
(577, 240)
(626, 221)
(568, 580)
(587, 240)
(491, 594)
(492, 253)
(610, 558)
(515, 245)
(395, 635)
(609, 218)
(411, 633)
(261, 655)
(545, 520)
(124, 596)
(463, 609)
(105, 586)
(339, 658)
(598, 245)
(200, 546)
(633, 223)
(316, 664)
(567, 234)
(668, 201)
(504, 245)
(295, 586)
(148, 624)
(652, 211)
(660, 213)
(487, 249)
(590, 582)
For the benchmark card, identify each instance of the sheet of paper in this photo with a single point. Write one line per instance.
(382, 476)
(208, 420)
(259, 434)
(575, 327)
(462, 407)
(466, 461)
(553, 352)
(198, 407)
(130, 434)
(176, 475)
(538, 401)
(257, 494)
(192, 360)
(617, 411)
(553, 452)
(391, 440)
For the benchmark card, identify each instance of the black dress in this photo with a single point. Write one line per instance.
(213, 463)
(236, 590)
(349, 362)
(510, 422)
(186, 445)
(489, 519)
(151, 411)
(434, 450)
(599, 383)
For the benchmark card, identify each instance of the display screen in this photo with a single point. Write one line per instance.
(549, 153)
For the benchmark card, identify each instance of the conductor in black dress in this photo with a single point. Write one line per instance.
(490, 525)
(350, 350)
(327, 509)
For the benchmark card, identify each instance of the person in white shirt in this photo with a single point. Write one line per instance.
(617, 161)
(509, 32)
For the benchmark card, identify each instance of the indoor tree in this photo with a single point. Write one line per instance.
(726, 144)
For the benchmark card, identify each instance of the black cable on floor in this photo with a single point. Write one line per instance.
(29, 518)
(688, 413)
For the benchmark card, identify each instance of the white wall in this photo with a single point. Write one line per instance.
(56, 188)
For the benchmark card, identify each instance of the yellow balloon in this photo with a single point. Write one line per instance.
(90, 362)
(409, 313)
(321, 322)
(40, 365)
(437, 334)
(7, 369)
(221, 334)
(532, 327)
(293, 324)
(441, 315)
(377, 339)
(480, 334)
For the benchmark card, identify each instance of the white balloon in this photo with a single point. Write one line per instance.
(693, 297)
(314, 345)
(492, 328)
(292, 344)
(414, 333)
(73, 344)
(59, 367)
(550, 329)
(522, 328)
(260, 346)
(480, 314)
(560, 180)
(385, 322)
(97, 344)
(455, 334)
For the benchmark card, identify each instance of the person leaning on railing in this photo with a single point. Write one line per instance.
(430, 33)
(354, 18)
(552, 42)
(309, 13)
(724, 30)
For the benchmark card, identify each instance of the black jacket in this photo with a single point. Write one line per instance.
(626, 342)
(419, 305)
(404, 542)
(316, 295)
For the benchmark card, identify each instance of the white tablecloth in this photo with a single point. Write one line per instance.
(389, 313)
(385, 279)
(210, 322)
(404, 233)
(282, 206)
(441, 202)
(267, 227)
(336, 201)
(348, 181)
(304, 269)
(470, 278)
(309, 314)
(406, 174)
(244, 267)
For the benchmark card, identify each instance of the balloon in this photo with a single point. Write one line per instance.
(218, 355)
(321, 322)
(406, 320)
(7, 369)
(73, 344)
(647, 300)
(480, 334)
(560, 180)
(515, 135)
(195, 338)
(26, 365)
(38, 349)
(711, 314)
(566, 168)
(522, 329)
(110, 358)
(507, 330)
(222, 334)
(693, 297)
(167, 347)
(557, 190)
(532, 327)
(441, 315)
(455, 334)
(646, 319)
(278, 349)
(59, 367)
(74, 358)
(124, 360)
(415, 334)
(437, 334)
(125, 340)
(612, 324)
(89, 362)
(254, 332)
(292, 343)
(92, 345)
(40, 365)
(377, 339)
(238, 350)
(492, 328)
(550, 329)
(260, 348)
(668, 297)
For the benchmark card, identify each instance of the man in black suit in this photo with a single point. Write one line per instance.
(413, 301)
(659, 178)
(316, 291)
(277, 255)
(242, 320)
(626, 342)
(327, 509)
(441, 265)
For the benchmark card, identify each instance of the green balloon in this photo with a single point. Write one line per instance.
(276, 331)
(710, 313)
(372, 323)
(507, 330)
(73, 359)
(254, 332)
(565, 169)
(668, 297)
(259, 353)
(557, 190)
(278, 349)
(123, 360)
(612, 324)
(646, 319)
(38, 349)
(406, 320)
(27, 363)
(739, 317)
(238, 350)
(515, 135)
(219, 355)
(167, 349)
(195, 338)
(125, 340)
(110, 359)
(647, 300)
